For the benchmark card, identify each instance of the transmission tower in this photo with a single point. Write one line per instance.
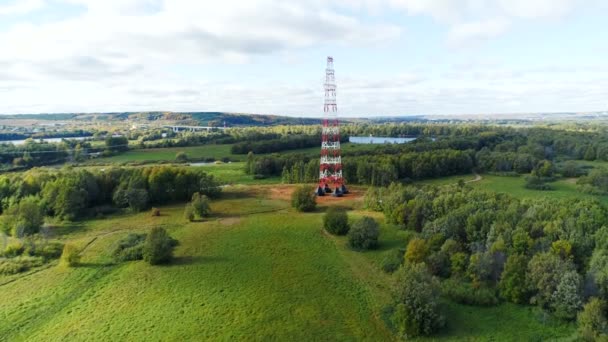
(330, 164)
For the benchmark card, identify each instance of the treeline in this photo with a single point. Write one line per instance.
(70, 194)
(281, 144)
(489, 247)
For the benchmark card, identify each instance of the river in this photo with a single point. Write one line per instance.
(379, 140)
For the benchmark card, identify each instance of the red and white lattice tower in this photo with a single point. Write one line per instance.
(330, 165)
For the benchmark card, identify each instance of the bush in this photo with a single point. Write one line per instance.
(335, 221)
(200, 205)
(393, 260)
(130, 248)
(364, 234)
(537, 183)
(465, 293)
(189, 212)
(70, 256)
(51, 250)
(19, 264)
(593, 321)
(417, 302)
(416, 251)
(158, 247)
(181, 157)
(14, 249)
(155, 212)
(304, 199)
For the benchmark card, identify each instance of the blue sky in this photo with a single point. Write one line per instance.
(392, 57)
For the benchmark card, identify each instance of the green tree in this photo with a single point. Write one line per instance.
(593, 321)
(335, 221)
(303, 199)
(23, 218)
(513, 279)
(416, 250)
(181, 157)
(545, 271)
(566, 300)
(417, 309)
(70, 256)
(158, 247)
(117, 143)
(200, 205)
(364, 234)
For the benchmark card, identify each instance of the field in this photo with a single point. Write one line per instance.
(204, 151)
(256, 270)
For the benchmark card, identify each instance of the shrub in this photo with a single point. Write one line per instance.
(200, 205)
(181, 157)
(303, 199)
(364, 234)
(130, 248)
(466, 293)
(335, 221)
(14, 249)
(51, 250)
(189, 212)
(393, 260)
(417, 302)
(593, 321)
(158, 247)
(70, 256)
(155, 212)
(19, 264)
(537, 183)
(416, 250)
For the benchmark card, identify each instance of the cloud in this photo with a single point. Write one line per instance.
(474, 21)
(18, 7)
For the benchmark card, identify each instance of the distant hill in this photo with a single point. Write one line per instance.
(186, 118)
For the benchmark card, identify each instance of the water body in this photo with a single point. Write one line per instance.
(50, 140)
(379, 140)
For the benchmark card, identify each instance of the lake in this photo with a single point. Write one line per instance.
(50, 140)
(379, 140)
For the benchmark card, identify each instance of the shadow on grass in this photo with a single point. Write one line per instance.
(192, 260)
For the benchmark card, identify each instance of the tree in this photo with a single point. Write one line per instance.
(117, 143)
(417, 302)
(545, 271)
(200, 205)
(158, 247)
(566, 300)
(364, 234)
(181, 157)
(189, 212)
(598, 269)
(416, 250)
(135, 199)
(593, 321)
(23, 218)
(303, 199)
(70, 256)
(335, 221)
(513, 279)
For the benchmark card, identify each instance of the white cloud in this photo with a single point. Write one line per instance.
(18, 7)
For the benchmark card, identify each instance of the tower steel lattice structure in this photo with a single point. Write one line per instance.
(330, 164)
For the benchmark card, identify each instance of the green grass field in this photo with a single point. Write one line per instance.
(168, 154)
(256, 270)
(203, 151)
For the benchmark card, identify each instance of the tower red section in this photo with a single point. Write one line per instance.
(330, 164)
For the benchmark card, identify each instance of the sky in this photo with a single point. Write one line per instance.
(392, 57)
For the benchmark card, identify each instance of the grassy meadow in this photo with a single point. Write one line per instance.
(256, 270)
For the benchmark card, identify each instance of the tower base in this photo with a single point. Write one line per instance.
(320, 191)
(338, 192)
(344, 189)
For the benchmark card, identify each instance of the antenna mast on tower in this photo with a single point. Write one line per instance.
(330, 164)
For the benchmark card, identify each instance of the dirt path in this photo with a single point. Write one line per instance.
(476, 179)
